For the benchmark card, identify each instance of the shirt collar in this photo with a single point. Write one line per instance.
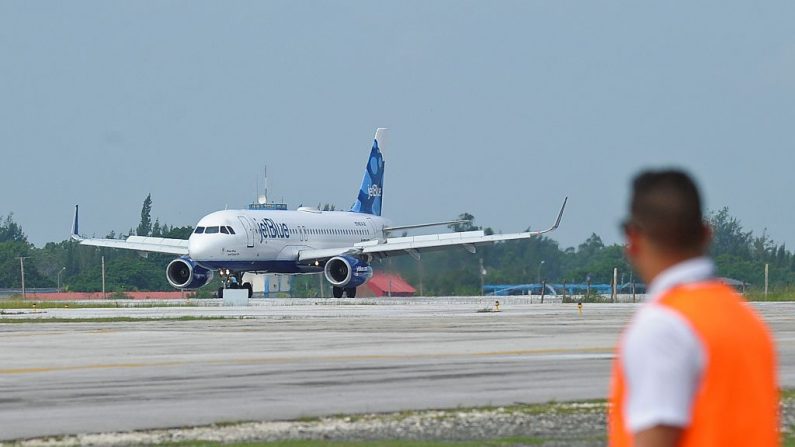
(692, 270)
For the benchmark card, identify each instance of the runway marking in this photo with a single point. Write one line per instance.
(43, 369)
(48, 334)
(263, 360)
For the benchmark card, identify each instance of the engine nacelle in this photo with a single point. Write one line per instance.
(184, 273)
(346, 271)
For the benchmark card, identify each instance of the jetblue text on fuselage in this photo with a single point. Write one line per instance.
(267, 228)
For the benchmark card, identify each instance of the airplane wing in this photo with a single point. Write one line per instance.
(415, 245)
(138, 243)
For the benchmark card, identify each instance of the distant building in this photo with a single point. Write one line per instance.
(559, 289)
(386, 284)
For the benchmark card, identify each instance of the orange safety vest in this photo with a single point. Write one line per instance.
(736, 402)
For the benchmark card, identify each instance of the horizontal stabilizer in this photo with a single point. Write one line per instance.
(424, 225)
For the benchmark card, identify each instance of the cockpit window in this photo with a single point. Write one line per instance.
(211, 230)
(224, 230)
(231, 231)
(199, 230)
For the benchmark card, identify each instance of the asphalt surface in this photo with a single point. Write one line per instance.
(287, 359)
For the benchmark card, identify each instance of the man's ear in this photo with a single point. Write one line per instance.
(631, 247)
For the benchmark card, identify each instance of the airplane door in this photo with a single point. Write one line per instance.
(249, 231)
(377, 234)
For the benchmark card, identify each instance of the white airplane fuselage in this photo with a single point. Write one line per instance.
(270, 240)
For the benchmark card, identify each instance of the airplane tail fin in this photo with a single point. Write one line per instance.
(370, 193)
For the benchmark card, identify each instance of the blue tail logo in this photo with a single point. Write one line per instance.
(371, 191)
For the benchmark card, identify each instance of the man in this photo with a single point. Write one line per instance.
(696, 365)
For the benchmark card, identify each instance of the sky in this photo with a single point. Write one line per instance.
(499, 109)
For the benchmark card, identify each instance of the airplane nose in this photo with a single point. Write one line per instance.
(197, 248)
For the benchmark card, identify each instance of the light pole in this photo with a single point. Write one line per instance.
(482, 277)
(59, 278)
(103, 277)
(22, 273)
(539, 270)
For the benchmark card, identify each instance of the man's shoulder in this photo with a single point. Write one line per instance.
(657, 327)
(655, 318)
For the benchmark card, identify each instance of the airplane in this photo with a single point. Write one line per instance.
(340, 244)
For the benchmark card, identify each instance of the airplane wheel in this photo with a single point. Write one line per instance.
(350, 292)
(247, 285)
(337, 291)
(220, 293)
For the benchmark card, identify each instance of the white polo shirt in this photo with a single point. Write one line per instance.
(662, 357)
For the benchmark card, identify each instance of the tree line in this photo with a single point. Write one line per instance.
(739, 254)
(80, 266)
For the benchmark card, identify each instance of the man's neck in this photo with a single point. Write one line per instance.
(664, 261)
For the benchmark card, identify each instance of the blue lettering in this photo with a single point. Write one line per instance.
(267, 228)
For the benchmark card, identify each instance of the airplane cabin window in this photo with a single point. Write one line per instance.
(199, 230)
(210, 230)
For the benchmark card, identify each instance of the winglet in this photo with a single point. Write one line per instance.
(560, 215)
(557, 222)
(75, 229)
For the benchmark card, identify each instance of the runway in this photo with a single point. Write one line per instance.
(285, 359)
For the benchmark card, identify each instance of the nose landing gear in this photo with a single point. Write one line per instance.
(232, 280)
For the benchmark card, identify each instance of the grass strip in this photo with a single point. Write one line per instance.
(108, 319)
(773, 296)
(505, 442)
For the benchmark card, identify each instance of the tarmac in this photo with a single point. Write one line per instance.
(287, 359)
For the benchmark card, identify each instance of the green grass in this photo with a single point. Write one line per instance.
(504, 442)
(772, 296)
(106, 320)
(788, 440)
(98, 304)
(33, 304)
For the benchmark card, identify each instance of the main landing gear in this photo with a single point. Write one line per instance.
(232, 280)
(350, 292)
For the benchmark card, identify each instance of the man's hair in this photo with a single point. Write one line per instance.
(666, 206)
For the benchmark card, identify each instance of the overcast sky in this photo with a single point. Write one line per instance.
(495, 108)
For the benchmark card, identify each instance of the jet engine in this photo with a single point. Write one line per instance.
(184, 273)
(347, 271)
